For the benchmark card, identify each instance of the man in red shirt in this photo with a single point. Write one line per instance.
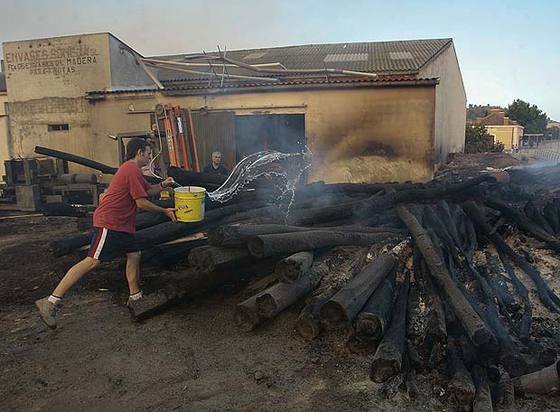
(114, 227)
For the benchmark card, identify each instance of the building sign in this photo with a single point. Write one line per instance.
(46, 58)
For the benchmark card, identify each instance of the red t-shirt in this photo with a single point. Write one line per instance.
(117, 210)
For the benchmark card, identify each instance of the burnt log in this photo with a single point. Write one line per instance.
(155, 302)
(272, 212)
(544, 381)
(546, 295)
(67, 245)
(416, 323)
(282, 295)
(446, 216)
(525, 224)
(64, 209)
(483, 399)
(534, 214)
(103, 168)
(527, 316)
(327, 200)
(475, 327)
(374, 318)
(169, 231)
(483, 304)
(188, 178)
(436, 326)
(170, 254)
(236, 235)
(552, 216)
(317, 189)
(461, 386)
(388, 358)
(284, 243)
(209, 258)
(345, 305)
(412, 385)
(260, 284)
(391, 387)
(494, 274)
(197, 283)
(432, 222)
(504, 392)
(245, 315)
(294, 267)
(373, 204)
(360, 345)
(309, 323)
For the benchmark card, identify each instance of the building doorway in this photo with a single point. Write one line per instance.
(281, 132)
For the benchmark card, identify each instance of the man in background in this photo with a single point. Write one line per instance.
(216, 167)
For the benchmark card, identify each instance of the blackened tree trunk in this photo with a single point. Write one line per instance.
(236, 235)
(373, 204)
(245, 314)
(525, 224)
(294, 267)
(309, 324)
(483, 399)
(374, 318)
(461, 386)
(388, 358)
(343, 307)
(76, 159)
(475, 327)
(284, 243)
(282, 295)
(208, 258)
(546, 295)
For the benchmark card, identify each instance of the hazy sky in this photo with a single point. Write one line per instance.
(507, 49)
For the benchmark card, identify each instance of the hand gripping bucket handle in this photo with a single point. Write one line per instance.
(189, 202)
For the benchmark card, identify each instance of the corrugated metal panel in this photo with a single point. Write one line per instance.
(378, 57)
(215, 131)
(175, 86)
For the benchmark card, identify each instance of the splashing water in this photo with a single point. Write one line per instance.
(264, 164)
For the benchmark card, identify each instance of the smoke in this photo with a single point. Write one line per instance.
(149, 28)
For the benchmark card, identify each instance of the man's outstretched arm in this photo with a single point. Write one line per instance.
(155, 189)
(145, 204)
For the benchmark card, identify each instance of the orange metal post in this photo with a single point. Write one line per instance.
(170, 139)
(181, 137)
(192, 137)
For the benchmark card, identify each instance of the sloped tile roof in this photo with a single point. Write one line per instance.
(389, 57)
(393, 61)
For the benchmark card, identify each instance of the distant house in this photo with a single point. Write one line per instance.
(505, 131)
(553, 130)
(553, 124)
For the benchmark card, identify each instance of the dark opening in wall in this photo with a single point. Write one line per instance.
(58, 127)
(282, 132)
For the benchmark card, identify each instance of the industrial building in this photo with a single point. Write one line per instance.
(369, 112)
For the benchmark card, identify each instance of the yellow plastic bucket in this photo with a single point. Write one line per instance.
(189, 202)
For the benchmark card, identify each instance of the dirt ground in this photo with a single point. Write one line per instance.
(190, 358)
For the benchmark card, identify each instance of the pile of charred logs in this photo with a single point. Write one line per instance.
(420, 277)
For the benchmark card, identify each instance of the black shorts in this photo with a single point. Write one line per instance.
(107, 244)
